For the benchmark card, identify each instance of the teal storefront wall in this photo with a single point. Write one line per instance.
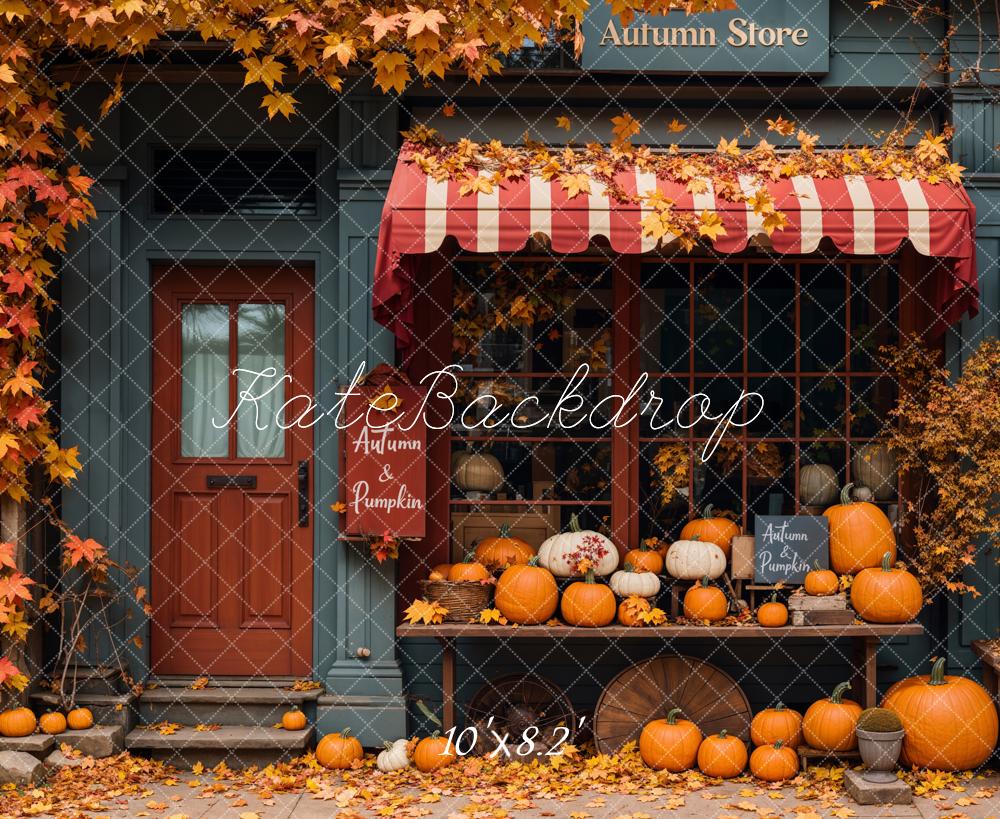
(105, 357)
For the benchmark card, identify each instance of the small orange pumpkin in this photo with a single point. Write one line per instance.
(778, 724)
(79, 719)
(886, 595)
(821, 582)
(830, 724)
(293, 720)
(527, 594)
(17, 722)
(860, 534)
(586, 603)
(437, 577)
(711, 529)
(503, 550)
(773, 614)
(774, 763)
(703, 601)
(644, 559)
(631, 609)
(722, 756)
(670, 744)
(433, 753)
(338, 751)
(52, 723)
(442, 569)
(470, 571)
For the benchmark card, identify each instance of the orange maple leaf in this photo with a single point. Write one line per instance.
(78, 549)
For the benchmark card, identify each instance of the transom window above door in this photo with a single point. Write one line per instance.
(229, 350)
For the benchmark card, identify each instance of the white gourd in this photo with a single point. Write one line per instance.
(626, 582)
(554, 551)
(818, 485)
(394, 757)
(695, 559)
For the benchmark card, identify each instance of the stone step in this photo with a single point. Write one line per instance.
(93, 680)
(223, 705)
(38, 745)
(108, 709)
(239, 746)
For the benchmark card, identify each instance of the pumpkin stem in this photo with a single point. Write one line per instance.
(574, 523)
(707, 513)
(588, 577)
(778, 743)
(628, 567)
(937, 672)
(705, 582)
(469, 557)
(886, 564)
(723, 733)
(845, 495)
(838, 693)
(779, 707)
(672, 715)
(387, 745)
(533, 560)
(345, 731)
(505, 530)
(773, 598)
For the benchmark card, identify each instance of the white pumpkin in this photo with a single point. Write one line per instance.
(695, 559)
(862, 494)
(874, 466)
(818, 485)
(554, 552)
(626, 582)
(394, 757)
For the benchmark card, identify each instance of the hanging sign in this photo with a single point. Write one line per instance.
(385, 462)
(788, 546)
(760, 37)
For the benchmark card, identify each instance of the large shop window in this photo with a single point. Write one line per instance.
(800, 334)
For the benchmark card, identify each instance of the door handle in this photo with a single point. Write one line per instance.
(303, 475)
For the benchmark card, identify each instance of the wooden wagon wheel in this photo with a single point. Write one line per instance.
(515, 703)
(706, 695)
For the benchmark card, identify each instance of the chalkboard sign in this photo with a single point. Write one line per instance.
(788, 546)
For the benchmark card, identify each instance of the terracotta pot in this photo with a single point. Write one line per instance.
(880, 753)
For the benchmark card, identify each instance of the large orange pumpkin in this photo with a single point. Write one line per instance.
(950, 722)
(774, 763)
(644, 559)
(338, 751)
(80, 719)
(704, 601)
(860, 534)
(470, 571)
(527, 594)
(52, 723)
(821, 582)
(886, 595)
(433, 753)
(17, 722)
(830, 724)
(722, 756)
(503, 550)
(586, 603)
(670, 744)
(711, 529)
(778, 724)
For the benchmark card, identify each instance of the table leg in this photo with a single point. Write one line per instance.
(865, 651)
(447, 683)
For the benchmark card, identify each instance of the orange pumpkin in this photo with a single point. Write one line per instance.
(773, 614)
(821, 582)
(503, 550)
(644, 559)
(433, 753)
(442, 569)
(719, 531)
(860, 534)
(17, 722)
(527, 594)
(722, 756)
(670, 744)
(886, 595)
(774, 763)
(829, 725)
(52, 723)
(437, 577)
(293, 720)
(950, 722)
(704, 601)
(778, 724)
(470, 571)
(630, 609)
(586, 603)
(338, 751)
(79, 719)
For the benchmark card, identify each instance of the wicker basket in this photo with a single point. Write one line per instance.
(464, 601)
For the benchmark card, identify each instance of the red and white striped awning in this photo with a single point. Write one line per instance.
(861, 215)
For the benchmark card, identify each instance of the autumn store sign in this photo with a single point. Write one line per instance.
(762, 37)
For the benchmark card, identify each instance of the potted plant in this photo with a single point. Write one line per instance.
(880, 739)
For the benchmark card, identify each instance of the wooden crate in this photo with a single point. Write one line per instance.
(808, 602)
(830, 617)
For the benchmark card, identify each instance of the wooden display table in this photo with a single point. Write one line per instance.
(866, 639)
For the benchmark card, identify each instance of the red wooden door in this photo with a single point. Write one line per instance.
(231, 540)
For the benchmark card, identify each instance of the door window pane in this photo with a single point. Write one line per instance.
(204, 380)
(260, 342)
